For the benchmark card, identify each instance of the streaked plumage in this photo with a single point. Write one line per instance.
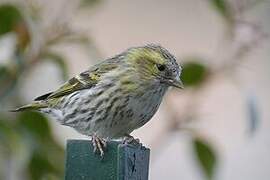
(116, 96)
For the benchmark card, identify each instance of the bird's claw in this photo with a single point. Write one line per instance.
(99, 145)
(128, 139)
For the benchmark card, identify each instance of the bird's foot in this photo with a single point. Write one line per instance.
(99, 144)
(128, 139)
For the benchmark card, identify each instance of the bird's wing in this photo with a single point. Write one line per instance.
(85, 80)
(82, 81)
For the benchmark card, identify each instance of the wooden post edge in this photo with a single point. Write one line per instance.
(120, 162)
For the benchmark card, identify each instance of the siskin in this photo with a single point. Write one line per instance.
(114, 97)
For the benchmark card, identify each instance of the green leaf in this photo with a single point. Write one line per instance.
(10, 16)
(193, 73)
(10, 137)
(9, 79)
(39, 166)
(47, 156)
(47, 160)
(223, 7)
(5, 129)
(205, 156)
(59, 61)
(89, 3)
(35, 124)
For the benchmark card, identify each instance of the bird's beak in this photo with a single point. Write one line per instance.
(175, 83)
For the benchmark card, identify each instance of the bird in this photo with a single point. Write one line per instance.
(114, 97)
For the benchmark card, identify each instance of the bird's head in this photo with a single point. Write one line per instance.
(155, 63)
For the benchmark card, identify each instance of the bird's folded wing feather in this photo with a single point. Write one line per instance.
(74, 84)
(85, 80)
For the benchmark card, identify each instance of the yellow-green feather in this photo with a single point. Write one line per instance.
(145, 60)
(33, 106)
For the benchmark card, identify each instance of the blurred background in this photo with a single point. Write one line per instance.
(216, 128)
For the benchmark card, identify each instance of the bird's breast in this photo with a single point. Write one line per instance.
(145, 105)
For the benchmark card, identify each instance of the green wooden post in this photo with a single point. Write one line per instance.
(120, 162)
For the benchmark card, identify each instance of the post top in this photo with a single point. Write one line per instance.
(120, 161)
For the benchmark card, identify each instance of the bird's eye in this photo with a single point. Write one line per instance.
(161, 67)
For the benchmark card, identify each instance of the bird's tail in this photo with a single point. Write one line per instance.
(33, 106)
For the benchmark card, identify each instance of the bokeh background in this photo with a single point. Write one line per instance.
(216, 128)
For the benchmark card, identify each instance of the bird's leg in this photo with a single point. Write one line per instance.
(128, 139)
(99, 144)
